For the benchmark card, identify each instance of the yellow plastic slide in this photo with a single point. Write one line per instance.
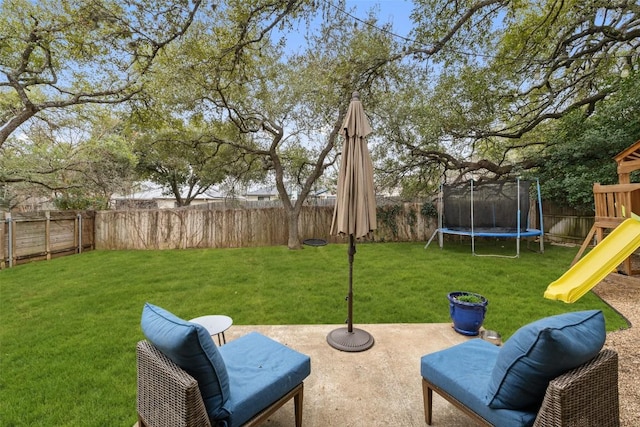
(598, 263)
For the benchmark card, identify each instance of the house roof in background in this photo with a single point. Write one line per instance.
(154, 192)
(264, 191)
(151, 191)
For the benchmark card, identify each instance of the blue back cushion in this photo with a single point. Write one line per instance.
(190, 346)
(539, 352)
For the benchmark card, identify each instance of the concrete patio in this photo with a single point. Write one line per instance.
(380, 386)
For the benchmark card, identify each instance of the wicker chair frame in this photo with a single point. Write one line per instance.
(169, 397)
(586, 396)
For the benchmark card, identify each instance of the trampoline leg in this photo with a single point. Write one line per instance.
(432, 236)
(473, 244)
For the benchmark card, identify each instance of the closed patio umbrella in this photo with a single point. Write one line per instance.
(355, 211)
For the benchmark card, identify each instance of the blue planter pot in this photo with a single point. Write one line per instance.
(467, 317)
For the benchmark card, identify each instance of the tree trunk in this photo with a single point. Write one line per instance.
(294, 240)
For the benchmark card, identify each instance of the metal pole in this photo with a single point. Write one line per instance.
(518, 220)
(352, 252)
(10, 238)
(473, 238)
(541, 216)
(439, 208)
(440, 215)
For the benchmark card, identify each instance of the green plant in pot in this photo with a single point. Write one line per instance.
(467, 310)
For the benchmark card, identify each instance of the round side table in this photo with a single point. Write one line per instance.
(215, 324)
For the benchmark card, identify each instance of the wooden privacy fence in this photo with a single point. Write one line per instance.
(233, 228)
(564, 224)
(44, 235)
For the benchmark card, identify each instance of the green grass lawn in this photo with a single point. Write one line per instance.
(69, 326)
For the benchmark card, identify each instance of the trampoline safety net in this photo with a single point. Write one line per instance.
(495, 207)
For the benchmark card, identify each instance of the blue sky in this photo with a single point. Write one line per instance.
(396, 12)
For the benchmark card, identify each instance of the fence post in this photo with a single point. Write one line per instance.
(47, 234)
(79, 233)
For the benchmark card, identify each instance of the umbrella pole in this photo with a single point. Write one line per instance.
(350, 338)
(351, 252)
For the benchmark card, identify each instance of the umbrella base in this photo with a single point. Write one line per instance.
(356, 340)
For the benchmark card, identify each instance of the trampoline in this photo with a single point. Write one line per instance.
(495, 209)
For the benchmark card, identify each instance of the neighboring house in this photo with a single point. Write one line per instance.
(321, 198)
(271, 193)
(262, 194)
(323, 194)
(153, 197)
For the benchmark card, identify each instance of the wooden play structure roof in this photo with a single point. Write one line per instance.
(628, 161)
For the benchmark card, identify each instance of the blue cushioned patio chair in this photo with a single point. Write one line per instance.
(583, 397)
(184, 379)
(550, 373)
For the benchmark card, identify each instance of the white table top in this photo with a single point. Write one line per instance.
(214, 324)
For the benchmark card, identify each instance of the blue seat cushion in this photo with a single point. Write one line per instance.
(190, 346)
(539, 352)
(261, 371)
(464, 371)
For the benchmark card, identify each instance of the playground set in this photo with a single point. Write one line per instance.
(617, 208)
(501, 209)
